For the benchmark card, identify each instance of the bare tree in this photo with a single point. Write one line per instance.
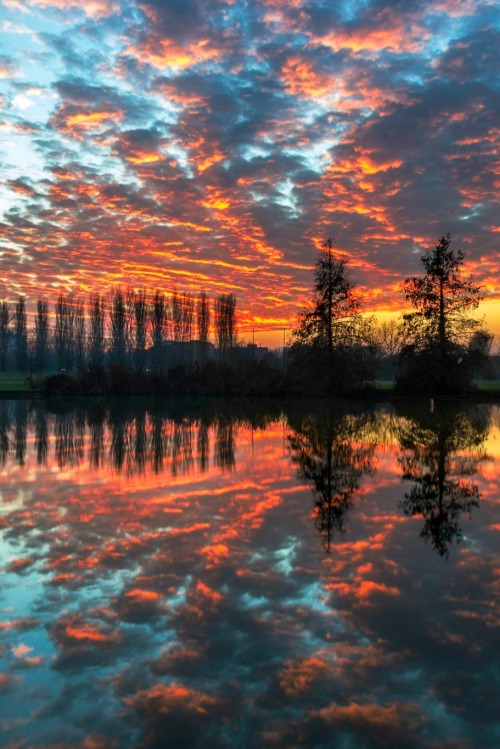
(64, 332)
(203, 317)
(118, 319)
(187, 316)
(203, 323)
(141, 327)
(387, 337)
(21, 334)
(80, 336)
(176, 312)
(5, 320)
(225, 322)
(158, 321)
(96, 330)
(41, 335)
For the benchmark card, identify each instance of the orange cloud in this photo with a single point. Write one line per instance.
(88, 633)
(137, 595)
(368, 588)
(168, 54)
(213, 595)
(298, 676)
(301, 79)
(163, 699)
(392, 717)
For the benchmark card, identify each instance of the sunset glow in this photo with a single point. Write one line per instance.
(213, 145)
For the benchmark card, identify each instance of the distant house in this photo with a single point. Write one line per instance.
(250, 352)
(181, 352)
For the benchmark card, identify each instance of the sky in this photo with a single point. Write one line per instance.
(211, 145)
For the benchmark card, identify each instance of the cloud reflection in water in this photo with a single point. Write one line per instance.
(165, 577)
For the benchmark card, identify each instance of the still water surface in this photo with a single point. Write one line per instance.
(217, 575)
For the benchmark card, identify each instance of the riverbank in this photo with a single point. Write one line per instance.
(19, 386)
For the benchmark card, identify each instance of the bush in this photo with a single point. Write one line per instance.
(426, 373)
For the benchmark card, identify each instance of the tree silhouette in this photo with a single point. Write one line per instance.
(332, 455)
(441, 454)
(330, 335)
(41, 334)
(435, 358)
(333, 317)
(6, 316)
(21, 334)
(225, 322)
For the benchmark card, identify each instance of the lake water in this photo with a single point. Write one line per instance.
(225, 575)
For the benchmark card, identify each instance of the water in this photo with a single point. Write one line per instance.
(208, 575)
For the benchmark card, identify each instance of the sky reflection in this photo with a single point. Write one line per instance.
(210, 577)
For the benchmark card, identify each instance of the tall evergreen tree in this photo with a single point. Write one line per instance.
(329, 352)
(435, 359)
(332, 320)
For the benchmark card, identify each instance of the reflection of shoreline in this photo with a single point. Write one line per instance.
(132, 444)
(332, 449)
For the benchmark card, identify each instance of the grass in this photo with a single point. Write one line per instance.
(382, 384)
(13, 382)
(491, 387)
(488, 386)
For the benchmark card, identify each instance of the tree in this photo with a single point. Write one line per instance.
(5, 320)
(203, 317)
(141, 327)
(435, 357)
(331, 336)
(118, 319)
(41, 334)
(96, 330)
(158, 322)
(203, 323)
(64, 333)
(21, 335)
(333, 318)
(80, 342)
(387, 339)
(479, 350)
(225, 322)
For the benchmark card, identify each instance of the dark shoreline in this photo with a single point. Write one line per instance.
(371, 395)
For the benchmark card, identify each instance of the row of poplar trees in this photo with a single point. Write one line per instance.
(120, 328)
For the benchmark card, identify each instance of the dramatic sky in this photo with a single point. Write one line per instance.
(211, 144)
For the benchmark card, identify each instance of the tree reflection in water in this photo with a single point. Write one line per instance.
(131, 440)
(333, 451)
(442, 451)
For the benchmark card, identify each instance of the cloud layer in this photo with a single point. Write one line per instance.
(213, 145)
